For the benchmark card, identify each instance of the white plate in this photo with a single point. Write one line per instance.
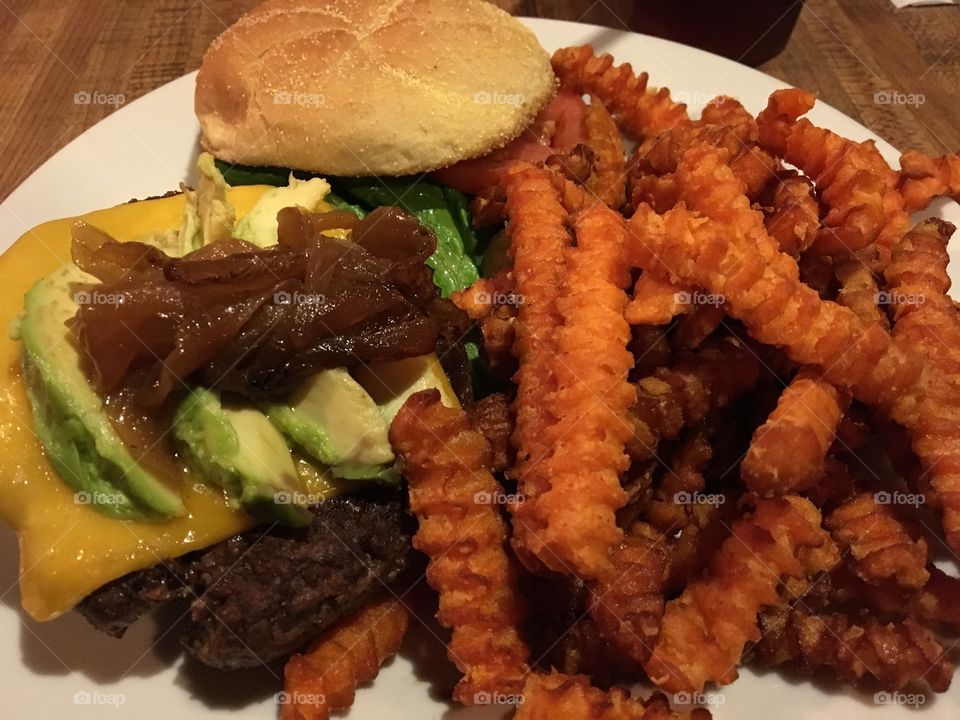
(145, 149)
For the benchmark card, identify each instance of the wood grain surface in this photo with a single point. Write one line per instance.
(65, 64)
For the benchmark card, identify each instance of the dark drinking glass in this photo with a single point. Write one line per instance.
(749, 31)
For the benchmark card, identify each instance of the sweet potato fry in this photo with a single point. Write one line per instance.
(922, 178)
(539, 237)
(852, 177)
(704, 631)
(609, 177)
(927, 325)
(627, 608)
(571, 697)
(859, 291)
(640, 110)
(325, 677)
(894, 655)
(655, 301)
(571, 526)
(731, 255)
(453, 494)
(883, 551)
(788, 451)
(793, 213)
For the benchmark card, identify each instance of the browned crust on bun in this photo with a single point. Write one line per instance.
(360, 87)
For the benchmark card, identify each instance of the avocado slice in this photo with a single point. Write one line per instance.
(237, 447)
(259, 226)
(69, 416)
(391, 383)
(336, 422)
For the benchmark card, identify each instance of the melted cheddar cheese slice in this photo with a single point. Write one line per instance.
(67, 549)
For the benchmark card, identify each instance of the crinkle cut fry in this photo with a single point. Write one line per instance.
(730, 254)
(894, 655)
(683, 394)
(865, 211)
(704, 631)
(325, 677)
(538, 226)
(793, 215)
(608, 180)
(883, 551)
(640, 110)
(628, 607)
(859, 291)
(788, 452)
(571, 697)
(572, 525)
(655, 301)
(922, 178)
(453, 495)
(927, 324)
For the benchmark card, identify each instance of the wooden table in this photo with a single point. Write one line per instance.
(57, 54)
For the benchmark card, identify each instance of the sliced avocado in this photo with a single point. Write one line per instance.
(69, 416)
(207, 214)
(259, 226)
(391, 383)
(238, 448)
(336, 422)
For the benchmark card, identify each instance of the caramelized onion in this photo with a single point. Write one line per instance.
(257, 321)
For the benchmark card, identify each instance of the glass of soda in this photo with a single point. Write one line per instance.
(748, 31)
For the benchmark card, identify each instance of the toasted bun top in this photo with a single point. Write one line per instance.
(366, 87)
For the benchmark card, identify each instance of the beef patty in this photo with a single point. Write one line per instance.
(264, 594)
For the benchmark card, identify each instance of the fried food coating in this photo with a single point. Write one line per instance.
(704, 631)
(788, 452)
(571, 697)
(730, 254)
(883, 551)
(608, 181)
(792, 217)
(927, 324)
(655, 301)
(859, 291)
(640, 110)
(628, 607)
(454, 497)
(865, 210)
(894, 655)
(682, 395)
(325, 677)
(922, 178)
(571, 526)
(538, 227)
